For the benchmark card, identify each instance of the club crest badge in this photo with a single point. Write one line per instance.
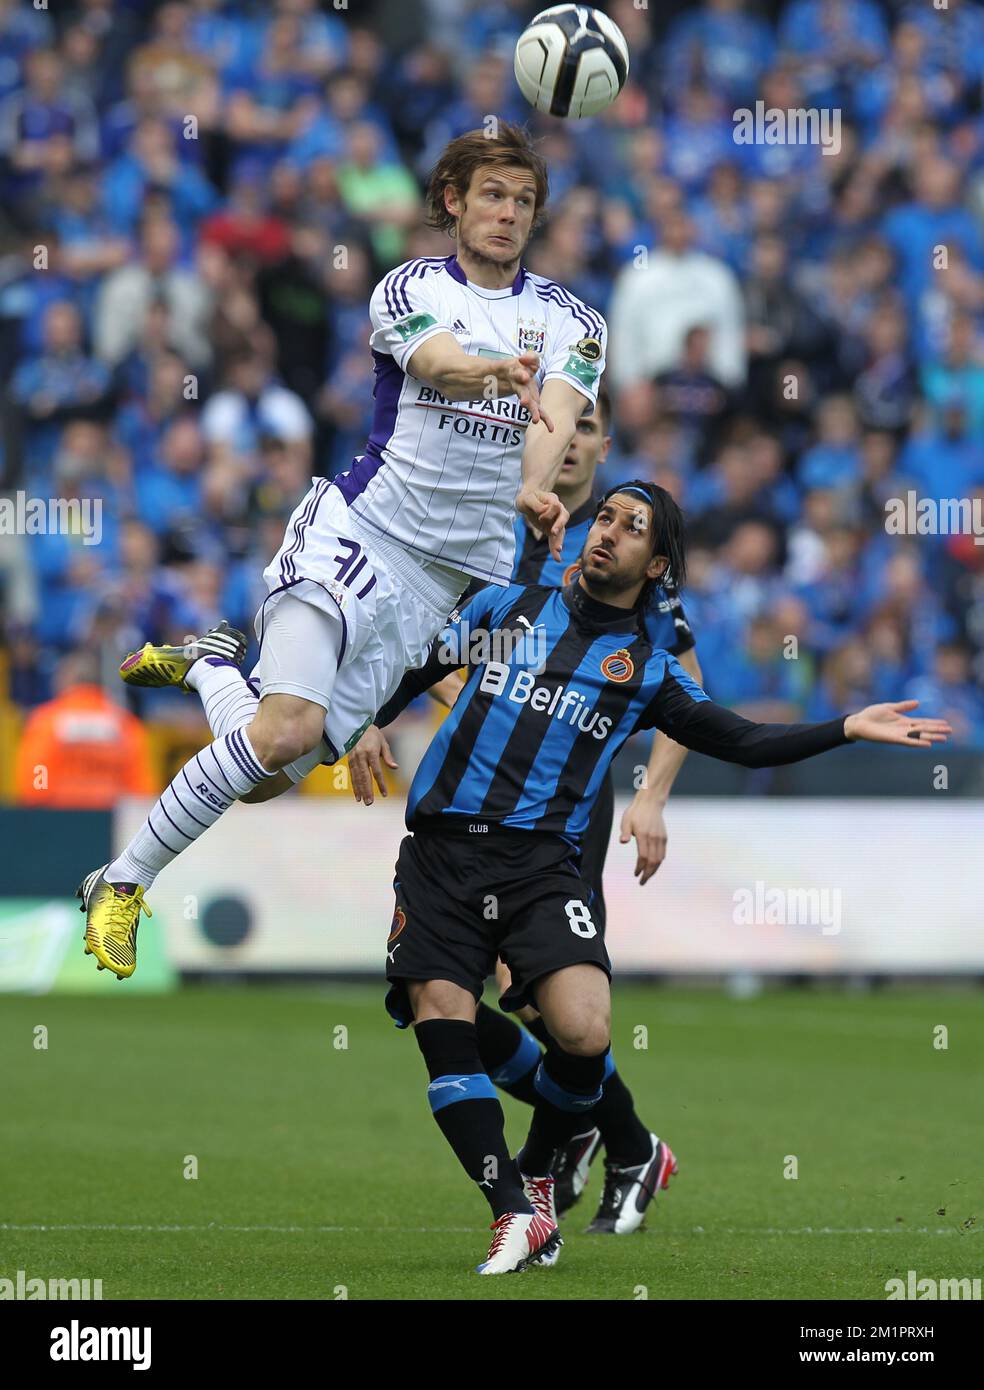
(397, 925)
(618, 667)
(532, 335)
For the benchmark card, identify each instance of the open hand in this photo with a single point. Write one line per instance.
(893, 724)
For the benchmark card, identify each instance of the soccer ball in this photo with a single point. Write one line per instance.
(571, 60)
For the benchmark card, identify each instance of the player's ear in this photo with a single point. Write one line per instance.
(657, 566)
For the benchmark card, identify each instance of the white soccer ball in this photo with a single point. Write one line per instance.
(571, 60)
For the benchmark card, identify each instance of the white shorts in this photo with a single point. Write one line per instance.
(376, 611)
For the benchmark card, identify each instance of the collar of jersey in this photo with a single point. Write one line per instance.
(604, 616)
(455, 271)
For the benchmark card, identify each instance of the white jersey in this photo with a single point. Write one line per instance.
(440, 477)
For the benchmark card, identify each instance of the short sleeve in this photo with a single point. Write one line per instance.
(674, 701)
(405, 310)
(578, 351)
(666, 623)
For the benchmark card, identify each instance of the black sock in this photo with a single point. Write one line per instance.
(476, 1130)
(539, 1030)
(508, 1053)
(567, 1086)
(625, 1137)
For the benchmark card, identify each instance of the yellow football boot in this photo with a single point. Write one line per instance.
(169, 665)
(112, 915)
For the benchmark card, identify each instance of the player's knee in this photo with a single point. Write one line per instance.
(282, 740)
(585, 1036)
(439, 999)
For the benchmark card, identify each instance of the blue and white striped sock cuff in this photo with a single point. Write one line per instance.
(523, 1060)
(447, 1090)
(556, 1095)
(609, 1066)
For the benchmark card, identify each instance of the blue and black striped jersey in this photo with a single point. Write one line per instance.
(556, 683)
(665, 621)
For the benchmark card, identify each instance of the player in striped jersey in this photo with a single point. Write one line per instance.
(481, 373)
(497, 812)
(511, 1056)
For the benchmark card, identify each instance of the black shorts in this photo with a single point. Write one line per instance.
(463, 898)
(594, 848)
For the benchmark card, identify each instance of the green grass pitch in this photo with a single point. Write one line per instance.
(321, 1173)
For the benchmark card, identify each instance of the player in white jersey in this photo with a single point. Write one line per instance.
(482, 371)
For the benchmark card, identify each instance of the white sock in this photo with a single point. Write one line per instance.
(206, 786)
(227, 699)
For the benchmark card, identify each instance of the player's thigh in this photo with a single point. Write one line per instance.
(301, 647)
(549, 925)
(403, 629)
(437, 932)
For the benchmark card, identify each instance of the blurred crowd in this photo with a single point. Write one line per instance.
(196, 198)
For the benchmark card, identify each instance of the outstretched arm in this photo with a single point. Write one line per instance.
(543, 454)
(681, 712)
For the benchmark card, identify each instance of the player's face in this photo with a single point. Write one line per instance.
(618, 556)
(587, 449)
(495, 217)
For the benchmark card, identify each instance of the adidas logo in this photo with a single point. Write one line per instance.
(458, 327)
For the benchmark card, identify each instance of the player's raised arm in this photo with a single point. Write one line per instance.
(465, 376)
(683, 711)
(542, 457)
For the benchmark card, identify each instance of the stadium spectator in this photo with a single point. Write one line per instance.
(378, 192)
(79, 750)
(887, 389)
(154, 275)
(764, 678)
(833, 461)
(693, 397)
(43, 126)
(727, 46)
(958, 373)
(61, 384)
(676, 288)
(253, 402)
(151, 163)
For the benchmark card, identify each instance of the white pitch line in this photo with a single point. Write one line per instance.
(470, 1230)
